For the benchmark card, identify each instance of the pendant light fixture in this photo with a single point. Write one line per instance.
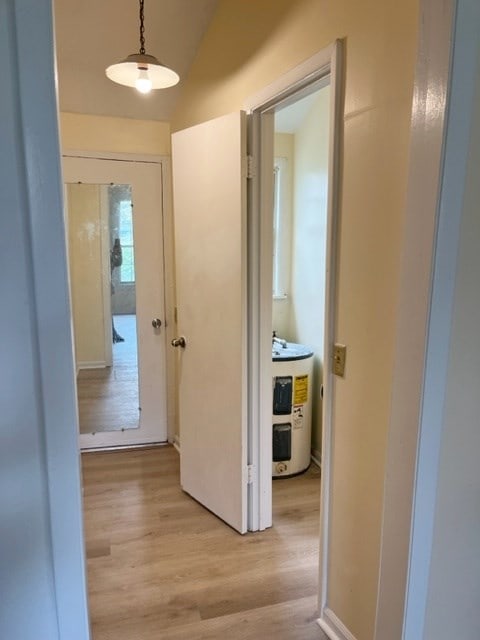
(140, 70)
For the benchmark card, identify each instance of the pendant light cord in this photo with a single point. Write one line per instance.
(142, 29)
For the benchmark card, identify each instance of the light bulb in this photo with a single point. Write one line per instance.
(143, 82)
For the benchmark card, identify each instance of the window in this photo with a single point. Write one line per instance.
(127, 270)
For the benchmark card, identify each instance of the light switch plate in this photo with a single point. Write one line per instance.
(339, 358)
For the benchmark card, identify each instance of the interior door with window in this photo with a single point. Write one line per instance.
(209, 176)
(114, 222)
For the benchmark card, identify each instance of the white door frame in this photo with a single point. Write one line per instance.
(456, 82)
(168, 328)
(326, 63)
(403, 484)
(29, 125)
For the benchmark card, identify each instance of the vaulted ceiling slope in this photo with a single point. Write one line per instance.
(92, 34)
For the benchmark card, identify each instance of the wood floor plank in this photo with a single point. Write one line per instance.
(161, 566)
(293, 620)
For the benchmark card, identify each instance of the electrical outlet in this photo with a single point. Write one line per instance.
(339, 358)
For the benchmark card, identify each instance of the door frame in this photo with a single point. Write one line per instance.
(168, 266)
(404, 485)
(449, 73)
(326, 63)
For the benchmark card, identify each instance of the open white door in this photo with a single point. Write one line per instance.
(209, 171)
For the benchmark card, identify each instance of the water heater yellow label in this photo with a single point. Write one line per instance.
(300, 393)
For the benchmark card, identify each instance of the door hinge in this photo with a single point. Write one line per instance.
(250, 473)
(250, 167)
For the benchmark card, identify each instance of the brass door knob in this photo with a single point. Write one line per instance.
(179, 342)
(156, 323)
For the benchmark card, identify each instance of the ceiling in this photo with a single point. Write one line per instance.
(92, 34)
(289, 119)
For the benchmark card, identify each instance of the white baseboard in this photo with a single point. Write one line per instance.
(125, 447)
(333, 627)
(94, 364)
(176, 442)
(316, 457)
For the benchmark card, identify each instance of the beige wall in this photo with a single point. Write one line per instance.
(284, 147)
(84, 132)
(307, 308)
(86, 275)
(248, 45)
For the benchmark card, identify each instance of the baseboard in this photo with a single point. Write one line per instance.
(333, 627)
(316, 457)
(176, 442)
(125, 447)
(94, 364)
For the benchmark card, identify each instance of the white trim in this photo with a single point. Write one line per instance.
(37, 136)
(328, 432)
(461, 116)
(316, 457)
(91, 364)
(126, 447)
(333, 626)
(169, 293)
(261, 132)
(290, 82)
(304, 77)
(425, 165)
(120, 157)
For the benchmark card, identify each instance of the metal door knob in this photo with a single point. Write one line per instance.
(179, 342)
(156, 323)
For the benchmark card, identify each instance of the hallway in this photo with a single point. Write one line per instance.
(162, 567)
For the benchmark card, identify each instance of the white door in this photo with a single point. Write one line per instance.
(209, 180)
(143, 180)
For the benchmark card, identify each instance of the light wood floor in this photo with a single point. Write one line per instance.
(108, 398)
(161, 567)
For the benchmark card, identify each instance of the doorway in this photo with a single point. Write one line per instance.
(299, 276)
(325, 68)
(224, 249)
(308, 269)
(115, 247)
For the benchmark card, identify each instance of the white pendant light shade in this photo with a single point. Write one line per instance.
(140, 70)
(127, 72)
